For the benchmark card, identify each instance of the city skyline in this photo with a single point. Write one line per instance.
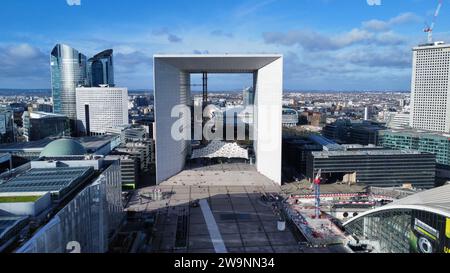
(323, 47)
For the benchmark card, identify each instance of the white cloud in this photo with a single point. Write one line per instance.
(73, 2)
(380, 25)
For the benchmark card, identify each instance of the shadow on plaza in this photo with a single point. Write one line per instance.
(176, 224)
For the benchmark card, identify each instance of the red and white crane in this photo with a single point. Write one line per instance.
(429, 29)
(317, 182)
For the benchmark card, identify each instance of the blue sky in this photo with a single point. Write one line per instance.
(327, 44)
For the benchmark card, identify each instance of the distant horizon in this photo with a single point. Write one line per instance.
(323, 47)
(143, 90)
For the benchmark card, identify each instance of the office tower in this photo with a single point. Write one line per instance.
(430, 89)
(39, 125)
(101, 69)
(249, 96)
(68, 71)
(101, 108)
(7, 134)
(366, 113)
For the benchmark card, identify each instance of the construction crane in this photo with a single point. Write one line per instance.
(317, 182)
(429, 29)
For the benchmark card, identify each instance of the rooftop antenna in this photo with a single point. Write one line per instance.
(429, 29)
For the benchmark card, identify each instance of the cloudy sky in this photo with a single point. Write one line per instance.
(327, 44)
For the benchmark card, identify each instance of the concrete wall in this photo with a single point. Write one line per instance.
(170, 156)
(268, 118)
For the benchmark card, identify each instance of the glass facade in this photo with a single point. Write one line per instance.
(69, 70)
(101, 69)
(382, 168)
(435, 143)
(7, 134)
(402, 231)
(353, 132)
(46, 126)
(89, 219)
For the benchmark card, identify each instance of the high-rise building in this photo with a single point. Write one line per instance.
(430, 89)
(100, 108)
(101, 69)
(68, 71)
(71, 69)
(7, 134)
(249, 96)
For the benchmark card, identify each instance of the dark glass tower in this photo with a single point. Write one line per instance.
(101, 69)
(69, 70)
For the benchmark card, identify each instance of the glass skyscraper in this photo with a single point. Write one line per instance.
(69, 70)
(101, 69)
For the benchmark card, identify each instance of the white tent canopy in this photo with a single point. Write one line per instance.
(220, 149)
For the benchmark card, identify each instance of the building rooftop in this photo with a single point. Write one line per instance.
(43, 115)
(438, 44)
(418, 133)
(7, 225)
(220, 149)
(326, 143)
(437, 200)
(374, 152)
(91, 144)
(55, 180)
(103, 54)
(217, 63)
(5, 158)
(63, 147)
